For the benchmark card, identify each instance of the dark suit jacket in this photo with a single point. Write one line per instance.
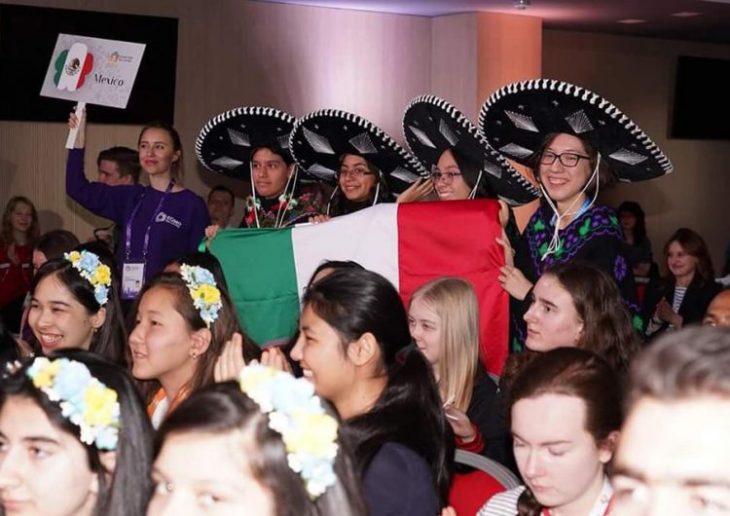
(695, 301)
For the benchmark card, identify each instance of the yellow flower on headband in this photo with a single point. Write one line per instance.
(208, 294)
(74, 257)
(100, 403)
(45, 376)
(103, 276)
(203, 290)
(316, 435)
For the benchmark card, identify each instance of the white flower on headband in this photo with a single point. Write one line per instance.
(203, 290)
(94, 271)
(296, 413)
(84, 400)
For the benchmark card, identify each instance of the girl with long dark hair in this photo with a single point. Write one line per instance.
(181, 324)
(74, 439)
(354, 347)
(75, 304)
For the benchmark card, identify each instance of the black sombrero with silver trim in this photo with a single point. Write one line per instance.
(517, 118)
(319, 139)
(432, 125)
(225, 143)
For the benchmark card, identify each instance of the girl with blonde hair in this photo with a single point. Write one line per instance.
(443, 317)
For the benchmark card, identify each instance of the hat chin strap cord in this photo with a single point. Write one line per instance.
(555, 240)
(332, 196)
(377, 193)
(473, 192)
(288, 197)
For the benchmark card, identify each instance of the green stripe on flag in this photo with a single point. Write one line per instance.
(259, 269)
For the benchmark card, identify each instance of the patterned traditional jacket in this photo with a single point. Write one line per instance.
(308, 200)
(594, 236)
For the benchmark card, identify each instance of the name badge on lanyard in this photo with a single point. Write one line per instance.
(133, 271)
(132, 279)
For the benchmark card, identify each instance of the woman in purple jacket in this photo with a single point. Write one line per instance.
(159, 222)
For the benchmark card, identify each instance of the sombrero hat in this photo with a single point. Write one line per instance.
(226, 142)
(432, 125)
(319, 140)
(517, 118)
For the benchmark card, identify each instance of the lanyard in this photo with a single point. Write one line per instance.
(128, 228)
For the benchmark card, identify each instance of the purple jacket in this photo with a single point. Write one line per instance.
(177, 229)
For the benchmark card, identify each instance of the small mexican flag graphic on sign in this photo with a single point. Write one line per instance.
(72, 66)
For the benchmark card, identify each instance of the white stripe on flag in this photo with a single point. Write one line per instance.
(369, 237)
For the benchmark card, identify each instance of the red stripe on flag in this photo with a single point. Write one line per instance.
(457, 238)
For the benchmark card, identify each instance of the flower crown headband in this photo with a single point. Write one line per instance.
(296, 413)
(84, 400)
(94, 271)
(204, 291)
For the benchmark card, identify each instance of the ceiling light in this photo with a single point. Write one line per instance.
(522, 4)
(686, 14)
(631, 21)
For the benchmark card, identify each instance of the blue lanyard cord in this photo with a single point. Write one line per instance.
(128, 226)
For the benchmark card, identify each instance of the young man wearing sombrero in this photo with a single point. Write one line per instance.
(575, 142)
(361, 161)
(252, 143)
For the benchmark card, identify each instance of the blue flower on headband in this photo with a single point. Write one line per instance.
(70, 381)
(89, 261)
(101, 294)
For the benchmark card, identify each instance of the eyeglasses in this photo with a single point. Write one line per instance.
(567, 159)
(356, 173)
(448, 177)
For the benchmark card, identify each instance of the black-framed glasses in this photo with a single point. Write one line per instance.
(567, 159)
(357, 173)
(448, 176)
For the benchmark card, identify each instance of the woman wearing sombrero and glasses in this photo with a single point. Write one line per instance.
(462, 164)
(575, 142)
(252, 143)
(360, 160)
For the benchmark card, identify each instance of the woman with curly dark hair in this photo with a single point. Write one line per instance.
(689, 283)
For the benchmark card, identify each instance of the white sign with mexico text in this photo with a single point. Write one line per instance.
(92, 70)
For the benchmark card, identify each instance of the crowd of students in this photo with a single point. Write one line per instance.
(132, 387)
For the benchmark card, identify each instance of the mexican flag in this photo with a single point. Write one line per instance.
(410, 244)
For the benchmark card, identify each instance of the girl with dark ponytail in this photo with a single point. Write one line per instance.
(354, 346)
(565, 410)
